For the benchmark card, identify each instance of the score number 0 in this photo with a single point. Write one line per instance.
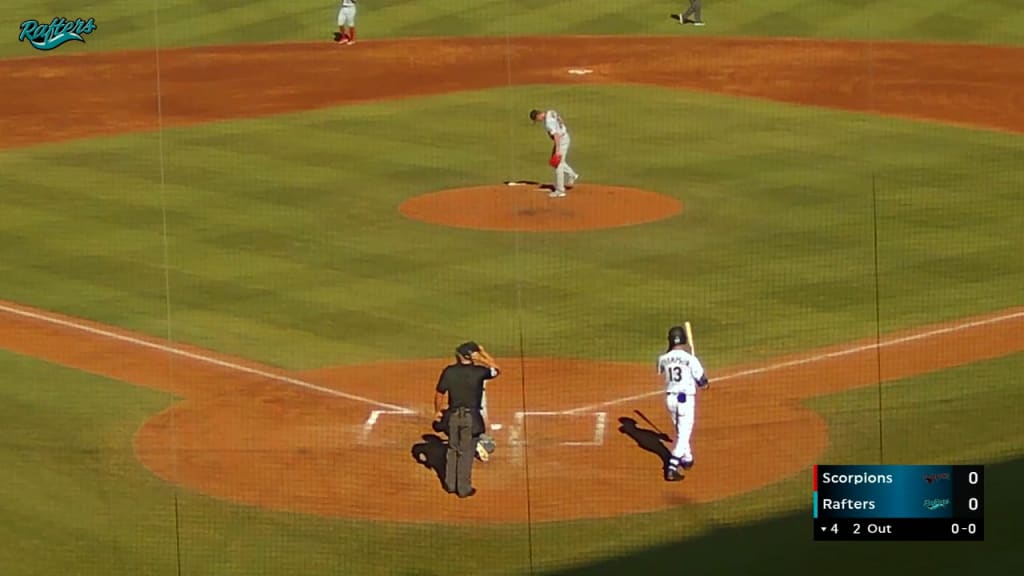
(972, 502)
(972, 505)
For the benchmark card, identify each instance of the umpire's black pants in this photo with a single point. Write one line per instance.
(458, 473)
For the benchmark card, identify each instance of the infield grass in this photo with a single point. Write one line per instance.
(285, 245)
(124, 24)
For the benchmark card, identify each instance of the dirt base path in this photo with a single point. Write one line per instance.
(57, 97)
(354, 441)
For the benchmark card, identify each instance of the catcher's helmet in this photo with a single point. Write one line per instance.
(676, 336)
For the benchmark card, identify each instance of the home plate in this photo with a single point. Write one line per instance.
(495, 426)
(580, 71)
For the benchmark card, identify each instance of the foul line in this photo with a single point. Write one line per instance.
(205, 359)
(815, 358)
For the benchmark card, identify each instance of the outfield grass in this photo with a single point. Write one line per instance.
(145, 25)
(284, 243)
(76, 500)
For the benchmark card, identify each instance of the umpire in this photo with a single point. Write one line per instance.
(463, 383)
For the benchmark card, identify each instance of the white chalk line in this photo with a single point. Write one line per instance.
(371, 421)
(600, 420)
(205, 359)
(815, 358)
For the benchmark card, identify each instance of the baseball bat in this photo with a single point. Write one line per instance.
(689, 336)
(651, 424)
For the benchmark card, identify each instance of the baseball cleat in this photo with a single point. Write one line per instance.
(556, 194)
(687, 465)
(697, 23)
(673, 475)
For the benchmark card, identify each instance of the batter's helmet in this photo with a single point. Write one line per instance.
(676, 336)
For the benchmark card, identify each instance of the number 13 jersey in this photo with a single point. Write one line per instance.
(681, 371)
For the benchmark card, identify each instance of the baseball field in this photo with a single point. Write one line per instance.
(235, 256)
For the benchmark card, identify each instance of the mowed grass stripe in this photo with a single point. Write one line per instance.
(124, 25)
(280, 229)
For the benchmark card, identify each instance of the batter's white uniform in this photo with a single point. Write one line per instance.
(681, 372)
(554, 125)
(347, 13)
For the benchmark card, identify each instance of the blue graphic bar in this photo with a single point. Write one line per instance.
(874, 491)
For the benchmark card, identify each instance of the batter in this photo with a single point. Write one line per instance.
(683, 374)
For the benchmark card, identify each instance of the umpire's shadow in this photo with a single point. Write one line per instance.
(648, 440)
(432, 454)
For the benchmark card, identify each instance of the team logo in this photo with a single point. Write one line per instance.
(56, 33)
(933, 478)
(935, 504)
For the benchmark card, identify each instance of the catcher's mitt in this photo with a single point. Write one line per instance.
(488, 443)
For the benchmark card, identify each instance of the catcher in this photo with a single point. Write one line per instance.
(462, 420)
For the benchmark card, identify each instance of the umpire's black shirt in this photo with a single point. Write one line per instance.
(464, 384)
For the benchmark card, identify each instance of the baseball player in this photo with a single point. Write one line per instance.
(346, 19)
(693, 10)
(559, 134)
(683, 374)
(481, 357)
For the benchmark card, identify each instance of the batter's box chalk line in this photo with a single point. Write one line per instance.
(371, 422)
(599, 419)
(515, 431)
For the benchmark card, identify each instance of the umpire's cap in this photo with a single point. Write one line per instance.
(466, 349)
(676, 336)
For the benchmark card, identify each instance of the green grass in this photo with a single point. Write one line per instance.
(76, 500)
(284, 242)
(145, 25)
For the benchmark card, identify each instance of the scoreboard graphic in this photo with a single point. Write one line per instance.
(899, 502)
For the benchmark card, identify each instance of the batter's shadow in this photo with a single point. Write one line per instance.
(432, 454)
(647, 440)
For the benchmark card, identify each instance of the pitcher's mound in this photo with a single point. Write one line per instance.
(528, 208)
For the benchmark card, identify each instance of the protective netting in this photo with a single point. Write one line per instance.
(240, 248)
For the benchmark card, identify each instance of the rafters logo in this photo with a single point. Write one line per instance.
(56, 33)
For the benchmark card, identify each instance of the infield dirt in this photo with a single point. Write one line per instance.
(249, 433)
